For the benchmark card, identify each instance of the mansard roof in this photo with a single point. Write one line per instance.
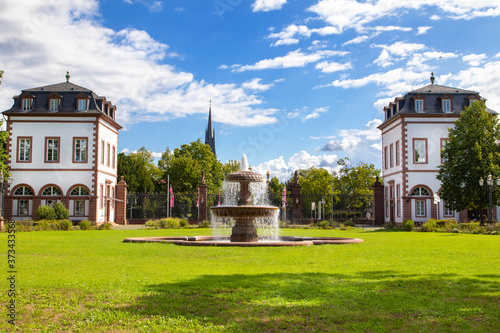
(438, 89)
(68, 93)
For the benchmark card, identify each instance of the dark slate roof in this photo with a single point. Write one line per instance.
(437, 89)
(432, 94)
(68, 92)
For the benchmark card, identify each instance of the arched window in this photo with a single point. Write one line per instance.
(79, 191)
(51, 190)
(420, 192)
(23, 190)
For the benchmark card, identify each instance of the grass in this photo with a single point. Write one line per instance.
(90, 281)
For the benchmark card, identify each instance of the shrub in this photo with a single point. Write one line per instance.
(408, 225)
(105, 226)
(349, 223)
(65, 225)
(26, 225)
(45, 212)
(152, 223)
(42, 225)
(85, 225)
(494, 232)
(455, 231)
(324, 225)
(61, 212)
(206, 224)
(183, 223)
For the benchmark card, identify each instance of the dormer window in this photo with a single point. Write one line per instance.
(472, 99)
(82, 102)
(26, 104)
(54, 101)
(419, 105)
(446, 105)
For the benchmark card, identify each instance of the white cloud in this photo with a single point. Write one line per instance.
(256, 85)
(391, 28)
(330, 67)
(301, 160)
(316, 113)
(423, 30)
(474, 59)
(126, 66)
(352, 14)
(295, 58)
(267, 5)
(151, 5)
(357, 40)
(435, 17)
(290, 34)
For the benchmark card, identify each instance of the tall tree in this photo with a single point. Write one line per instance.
(139, 171)
(186, 164)
(231, 166)
(354, 184)
(472, 152)
(316, 185)
(275, 191)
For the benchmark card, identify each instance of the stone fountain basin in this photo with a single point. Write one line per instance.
(244, 211)
(224, 241)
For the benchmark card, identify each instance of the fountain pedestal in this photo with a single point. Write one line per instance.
(244, 230)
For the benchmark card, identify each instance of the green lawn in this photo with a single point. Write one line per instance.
(90, 281)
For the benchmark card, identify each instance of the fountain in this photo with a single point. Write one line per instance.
(246, 212)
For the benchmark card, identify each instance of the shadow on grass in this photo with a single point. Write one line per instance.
(371, 301)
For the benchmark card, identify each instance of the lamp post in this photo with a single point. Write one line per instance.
(490, 186)
(3, 182)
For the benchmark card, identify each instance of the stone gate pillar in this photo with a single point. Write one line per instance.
(121, 202)
(296, 204)
(202, 199)
(378, 202)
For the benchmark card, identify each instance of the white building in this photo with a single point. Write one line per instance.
(413, 133)
(62, 147)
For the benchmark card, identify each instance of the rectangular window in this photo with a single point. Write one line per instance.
(471, 101)
(386, 158)
(108, 152)
(392, 155)
(26, 104)
(79, 207)
(52, 149)
(101, 196)
(102, 152)
(24, 149)
(419, 105)
(420, 150)
(446, 105)
(112, 195)
(113, 157)
(420, 208)
(23, 207)
(398, 202)
(80, 150)
(398, 154)
(82, 104)
(54, 104)
(448, 212)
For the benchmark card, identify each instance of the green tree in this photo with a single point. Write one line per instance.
(139, 171)
(472, 152)
(186, 164)
(354, 184)
(231, 166)
(316, 185)
(275, 191)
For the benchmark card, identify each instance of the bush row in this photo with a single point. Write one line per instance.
(40, 225)
(433, 225)
(320, 225)
(169, 223)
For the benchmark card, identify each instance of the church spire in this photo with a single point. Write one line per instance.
(210, 133)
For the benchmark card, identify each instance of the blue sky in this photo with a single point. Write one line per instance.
(293, 83)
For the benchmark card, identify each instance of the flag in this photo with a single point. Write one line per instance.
(171, 197)
(219, 198)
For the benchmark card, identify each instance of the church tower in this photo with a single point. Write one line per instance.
(210, 133)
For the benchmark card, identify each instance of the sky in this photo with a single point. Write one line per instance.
(292, 83)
